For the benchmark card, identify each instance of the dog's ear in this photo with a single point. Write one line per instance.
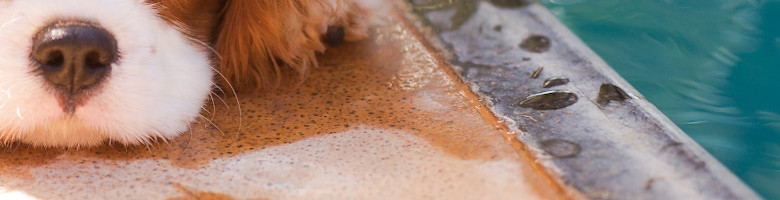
(258, 40)
(197, 19)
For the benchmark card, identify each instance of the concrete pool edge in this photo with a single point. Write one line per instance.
(588, 126)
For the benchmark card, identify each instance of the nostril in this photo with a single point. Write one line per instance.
(52, 59)
(74, 55)
(96, 60)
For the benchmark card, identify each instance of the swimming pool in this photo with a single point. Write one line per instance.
(710, 65)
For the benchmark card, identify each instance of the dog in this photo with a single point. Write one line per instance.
(78, 73)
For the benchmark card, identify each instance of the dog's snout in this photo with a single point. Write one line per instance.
(74, 56)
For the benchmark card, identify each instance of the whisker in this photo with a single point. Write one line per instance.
(232, 89)
(211, 99)
(164, 139)
(238, 103)
(9, 22)
(223, 101)
(214, 51)
(187, 147)
(205, 110)
(19, 113)
(217, 86)
(214, 125)
(213, 107)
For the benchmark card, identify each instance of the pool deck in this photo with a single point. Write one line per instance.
(579, 118)
(405, 116)
(383, 117)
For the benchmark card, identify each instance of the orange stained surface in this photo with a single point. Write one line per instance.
(379, 119)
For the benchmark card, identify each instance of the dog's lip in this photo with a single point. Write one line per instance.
(79, 117)
(70, 102)
(70, 106)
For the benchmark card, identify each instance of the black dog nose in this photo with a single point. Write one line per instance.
(74, 56)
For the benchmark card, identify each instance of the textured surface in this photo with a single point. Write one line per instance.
(592, 128)
(378, 118)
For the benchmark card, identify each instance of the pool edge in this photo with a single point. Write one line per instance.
(610, 143)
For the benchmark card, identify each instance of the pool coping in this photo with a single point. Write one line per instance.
(583, 122)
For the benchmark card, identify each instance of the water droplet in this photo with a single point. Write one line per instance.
(555, 81)
(497, 28)
(549, 100)
(609, 92)
(561, 148)
(509, 3)
(536, 44)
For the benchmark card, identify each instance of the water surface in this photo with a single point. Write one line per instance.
(709, 65)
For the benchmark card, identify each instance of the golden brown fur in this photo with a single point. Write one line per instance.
(256, 41)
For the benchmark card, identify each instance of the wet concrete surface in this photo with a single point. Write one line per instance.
(576, 115)
(383, 118)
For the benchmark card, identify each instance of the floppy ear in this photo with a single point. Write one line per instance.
(258, 40)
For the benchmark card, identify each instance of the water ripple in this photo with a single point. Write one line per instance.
(710, 65)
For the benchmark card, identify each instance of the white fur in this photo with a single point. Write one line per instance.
(155, 91)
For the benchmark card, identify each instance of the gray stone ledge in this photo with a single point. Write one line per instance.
(583, 122)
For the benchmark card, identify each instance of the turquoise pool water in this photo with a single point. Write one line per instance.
(712, 66)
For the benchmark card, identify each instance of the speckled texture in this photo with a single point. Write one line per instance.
(381, 118)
